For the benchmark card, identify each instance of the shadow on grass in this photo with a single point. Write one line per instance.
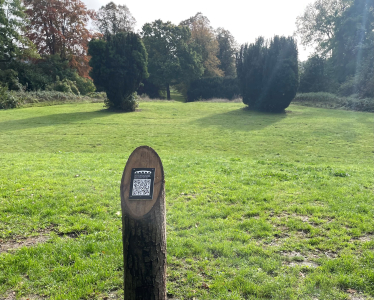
(53, 120)
(241, 119)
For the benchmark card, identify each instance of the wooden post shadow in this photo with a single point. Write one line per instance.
(144, 226)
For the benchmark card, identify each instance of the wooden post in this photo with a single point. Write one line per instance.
(144, 226)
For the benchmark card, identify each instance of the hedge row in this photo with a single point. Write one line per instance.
(328, 100)
(213, 87)
(14, 99)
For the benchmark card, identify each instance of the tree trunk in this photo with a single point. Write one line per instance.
(144, 249)
(168, 91)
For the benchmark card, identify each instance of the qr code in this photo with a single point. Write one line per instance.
(141, 187)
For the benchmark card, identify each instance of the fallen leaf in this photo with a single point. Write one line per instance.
(205, 286)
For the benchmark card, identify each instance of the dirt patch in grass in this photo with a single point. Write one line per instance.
(44, 235)
(366, 238)
(189, 196)
(9, 296)
(295, 258)
(113, 295)
(14, 244)
(358, 296)
(12, 296)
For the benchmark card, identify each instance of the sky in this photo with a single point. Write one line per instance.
(245, 19)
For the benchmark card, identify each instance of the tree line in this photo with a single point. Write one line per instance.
(44, 41)
(46, 44)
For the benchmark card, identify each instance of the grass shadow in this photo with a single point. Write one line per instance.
(242, 119)
(53, 120)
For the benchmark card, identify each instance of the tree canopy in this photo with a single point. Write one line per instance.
(60, 27)
(12, 28)
(112, 19)
(343, 31)
(226, 53)
(204, 41)
(316, 26)
(171, 59)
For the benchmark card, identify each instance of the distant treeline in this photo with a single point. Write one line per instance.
(46, 47)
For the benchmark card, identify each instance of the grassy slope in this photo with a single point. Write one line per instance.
(243, 191)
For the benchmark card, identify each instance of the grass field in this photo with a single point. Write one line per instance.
(259, 206)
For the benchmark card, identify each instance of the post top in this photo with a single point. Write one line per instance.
(142, 182)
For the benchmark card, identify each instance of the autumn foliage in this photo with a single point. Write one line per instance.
(60, 27)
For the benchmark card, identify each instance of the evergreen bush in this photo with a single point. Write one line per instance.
(119, 64)
(268, 73)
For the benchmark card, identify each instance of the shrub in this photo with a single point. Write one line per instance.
(84, 85)
(43, 73)
(65, 86)
(213, 87)
(268, 73)
(97, 95)
(6, 99)
(328, 100)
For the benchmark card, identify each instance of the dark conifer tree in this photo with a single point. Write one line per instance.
(268, 73)
(119, 65)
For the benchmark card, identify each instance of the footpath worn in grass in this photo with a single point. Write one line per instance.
(259, 205)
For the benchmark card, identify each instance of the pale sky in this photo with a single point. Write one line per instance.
(246, 20)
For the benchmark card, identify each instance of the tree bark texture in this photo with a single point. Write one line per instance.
(144, 249)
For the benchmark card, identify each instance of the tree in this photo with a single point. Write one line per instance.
(313, 77)
(205, 43)
(119, 65)
(12, 26)
(353, 38)
(316, 26)
(249, 68)
(112, 19)
(226, 52)
(60, 27)
(268, 73)
(344, 33)
(171, 59)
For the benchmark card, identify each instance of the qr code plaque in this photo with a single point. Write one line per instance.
(141, 187)
(142, 180)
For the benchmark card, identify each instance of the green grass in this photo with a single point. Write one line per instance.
(175, 95)
(259, 206)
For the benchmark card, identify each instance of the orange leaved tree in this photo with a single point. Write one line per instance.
(60, 27)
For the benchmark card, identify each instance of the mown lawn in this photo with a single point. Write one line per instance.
(259, 206)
